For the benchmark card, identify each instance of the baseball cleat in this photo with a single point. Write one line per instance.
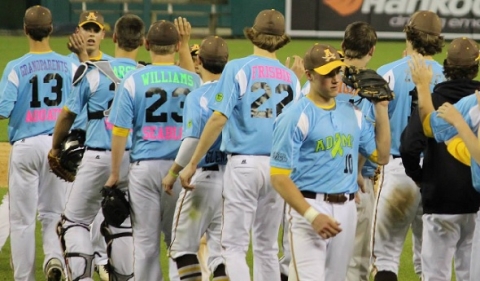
(54, 270)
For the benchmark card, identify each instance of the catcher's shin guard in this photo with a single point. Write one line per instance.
(61, 230)
(109, 237)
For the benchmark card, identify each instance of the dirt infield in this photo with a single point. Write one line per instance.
(4, 156)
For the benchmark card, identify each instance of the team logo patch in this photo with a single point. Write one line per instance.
(219, 97)
(279, 157)
(91, 16)
(329, 55)
(189, 124)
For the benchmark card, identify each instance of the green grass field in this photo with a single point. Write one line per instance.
(14, 47)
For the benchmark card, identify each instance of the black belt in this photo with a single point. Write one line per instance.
(211, 168)
(396, 156)
(101, 149)
(332, 198)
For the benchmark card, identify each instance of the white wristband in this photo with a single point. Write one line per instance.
(311, 214)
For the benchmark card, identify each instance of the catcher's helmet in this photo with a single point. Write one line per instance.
(72, 149)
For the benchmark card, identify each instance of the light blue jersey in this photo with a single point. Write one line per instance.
(399, 79)
(81, 119)
(150, 101)
(443, 131)
(96, 92)
(321, 146)
(347, 94)
(195, 115)
(468, 107)
(33, 91)
(251, 93)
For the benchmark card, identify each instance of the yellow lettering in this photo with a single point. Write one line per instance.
(329, 141)
(320, 146)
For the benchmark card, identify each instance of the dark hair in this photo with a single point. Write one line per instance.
(129, 30)
(454, 72)
(360, 37)
(38, 33)
(267, 42)
(213, 66)
(425, 44)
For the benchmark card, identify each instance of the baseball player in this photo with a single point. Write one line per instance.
(95, 88)
(398, 202)
(149, 101)
(433, 126)
(200, 211)
(358, 47)
(448, 214)
(91, 27)
(250, 94)
(313, 167)
(33, 90)
(203, 249)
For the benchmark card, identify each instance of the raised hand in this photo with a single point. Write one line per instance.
(421, 72)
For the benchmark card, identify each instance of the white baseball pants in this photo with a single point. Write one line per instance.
(250, 203)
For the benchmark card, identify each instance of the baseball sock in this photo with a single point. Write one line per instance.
(283, 277)
(220, 274)
(189, 268)
(385, 276)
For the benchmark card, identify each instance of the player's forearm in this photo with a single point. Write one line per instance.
(290, 193)
(382, 133)
(119, 143)
(361, 161)
(471, 141)
(175, 168)
(187, 148)
(185, 58)
(62, 127)
(425, 104)
(211, 132)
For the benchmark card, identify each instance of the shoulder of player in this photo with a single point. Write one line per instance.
(395, 65)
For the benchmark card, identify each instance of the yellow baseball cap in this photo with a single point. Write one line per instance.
(91, 17)
(322, 58)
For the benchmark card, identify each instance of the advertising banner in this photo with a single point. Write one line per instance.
(328, 18)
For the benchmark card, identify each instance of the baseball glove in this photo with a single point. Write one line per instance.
(370, 84)
(71, 154)
(58, 170)
(115, 206)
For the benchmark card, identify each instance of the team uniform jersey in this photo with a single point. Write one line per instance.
(323, 153)
(81, 119)
(95, 92)
(443, 131)
(251, 93)
(148, 100)
(33, 91)
(398, 76)
(195, 115)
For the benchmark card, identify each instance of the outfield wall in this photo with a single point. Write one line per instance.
(235, 15)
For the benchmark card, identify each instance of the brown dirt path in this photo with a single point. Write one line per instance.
(4, 157)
